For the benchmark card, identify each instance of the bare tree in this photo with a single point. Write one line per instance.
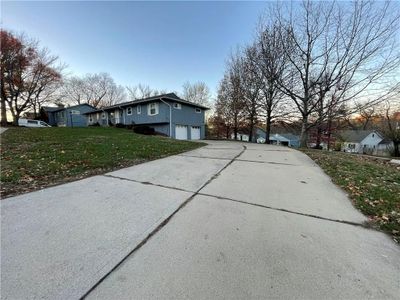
(390, 123)
(233, 89)
(142, 91)
(333, 44)
(272, 63)
(223, 119)
(252, 83)
(197, 92)
(229, 106)
(98, 90)
(28, 73)
(364, 118)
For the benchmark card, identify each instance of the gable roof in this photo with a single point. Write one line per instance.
(287, 136)
(385, 141)
(51, 108)
(290, 136)
(58, 108)
(169, 96)
(355, 136)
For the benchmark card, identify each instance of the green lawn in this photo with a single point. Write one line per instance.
(33, 158)
(373, 185)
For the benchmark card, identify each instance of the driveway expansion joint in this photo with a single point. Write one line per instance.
(266, 162)
(148, 183)
(160, 226)
(206, 157)
(364, 224)
(270, 150)
(243, 160)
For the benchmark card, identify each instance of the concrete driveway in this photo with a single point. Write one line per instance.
(227, 221)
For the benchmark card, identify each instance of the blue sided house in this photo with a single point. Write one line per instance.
(72, 116)
(167, 114)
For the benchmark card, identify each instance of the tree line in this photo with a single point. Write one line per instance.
(314, 62)
(31, 77)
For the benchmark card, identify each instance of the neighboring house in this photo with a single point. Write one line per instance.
(259, 136)
(73, 116)
(241, 136)
(360, 141)
(285, 139)
(167, 114)
(384, 148)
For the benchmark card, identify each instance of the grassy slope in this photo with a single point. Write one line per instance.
(372, 184)
(32, 158)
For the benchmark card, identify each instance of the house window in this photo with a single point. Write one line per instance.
(198, 110)
(177, 105)
(103, 115)
(152, 109)
(75, 112)
(373, 135)
(139, 109)
(129, 111)
(90, 119)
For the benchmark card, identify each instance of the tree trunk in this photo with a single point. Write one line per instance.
(3, 106)
(329, 134)
(396, 149)
(3, 112)
(235, 129)
(16, 118)
(268, 128)
(318, 138)
(304, 132)
(251, 132)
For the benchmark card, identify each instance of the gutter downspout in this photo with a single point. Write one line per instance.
(123, 113)
(105, 114)
(170, 117)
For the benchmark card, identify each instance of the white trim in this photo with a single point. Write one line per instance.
(150, 107)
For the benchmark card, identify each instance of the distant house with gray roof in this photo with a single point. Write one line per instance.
(285, 139)
(71, 116)
(361, 141)
(259, 136)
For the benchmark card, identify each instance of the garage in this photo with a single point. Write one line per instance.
(195, 132)
(181, 132)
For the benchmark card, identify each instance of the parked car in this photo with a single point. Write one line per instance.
(261, 140)
(32, 123)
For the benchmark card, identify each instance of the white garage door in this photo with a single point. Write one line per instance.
(181, 132)
(195, 132)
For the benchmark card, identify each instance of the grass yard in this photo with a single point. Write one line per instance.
(33, 158)
(373, 185)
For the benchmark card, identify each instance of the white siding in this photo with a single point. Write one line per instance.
(370, 143)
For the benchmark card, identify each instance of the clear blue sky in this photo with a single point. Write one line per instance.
(162, 44)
